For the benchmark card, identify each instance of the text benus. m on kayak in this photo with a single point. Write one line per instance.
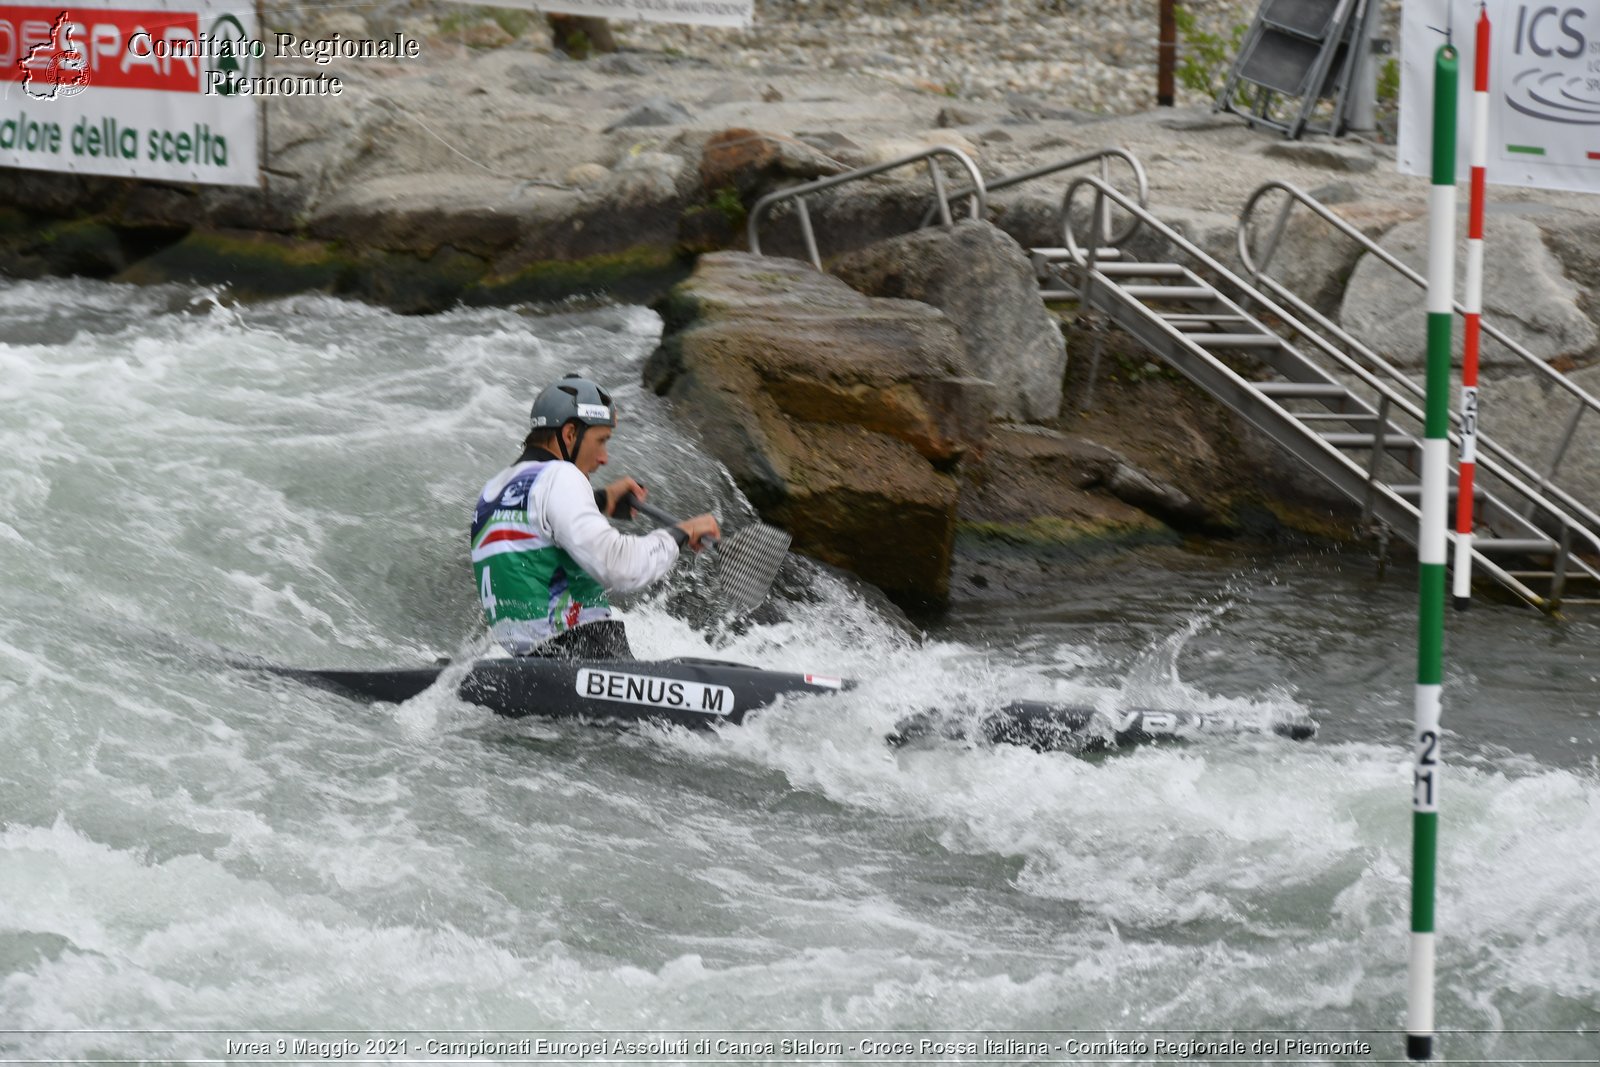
(542, 551)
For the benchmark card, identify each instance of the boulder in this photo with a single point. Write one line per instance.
(1529, 415)
(1213, 232)
(1033, 499)
(842, 418)
(835, 146)
(1525, 293)
(1031, 216)
(648, 180)
(1024, 473)
(749, 161)
(1313, 259)
(1576, 242)
(983, 282)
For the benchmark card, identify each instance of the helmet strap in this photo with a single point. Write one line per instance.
(577, 442)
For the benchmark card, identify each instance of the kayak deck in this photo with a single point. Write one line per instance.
(699, 693)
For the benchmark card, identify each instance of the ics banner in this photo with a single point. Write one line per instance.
(696, 12)
(134, 88)
(1544, 88)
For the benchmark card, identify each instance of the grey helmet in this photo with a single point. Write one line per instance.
(572, 398)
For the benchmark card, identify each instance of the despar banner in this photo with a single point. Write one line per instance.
(118, 87)
(693, 12)
(1544, 89)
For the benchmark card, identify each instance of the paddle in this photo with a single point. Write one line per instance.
(748, 559)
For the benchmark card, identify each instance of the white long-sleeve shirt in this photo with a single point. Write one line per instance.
(567, 511)
(544, 555)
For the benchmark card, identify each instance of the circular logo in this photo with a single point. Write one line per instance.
(233, 53)
(1556, 96)
(58, 68)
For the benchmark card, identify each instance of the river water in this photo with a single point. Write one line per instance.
(188, 849)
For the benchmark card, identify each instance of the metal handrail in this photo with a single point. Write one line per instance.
(1586, 400)
(1486, 443)
(976, 195)
(1103, 156)
(1103, 190)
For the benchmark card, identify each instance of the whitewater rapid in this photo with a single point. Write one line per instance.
(186, 848)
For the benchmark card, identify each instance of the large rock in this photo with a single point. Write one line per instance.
(842, 418)
(1525, 293)
(1576, 241)
(749, 161)
(1530, 415)
(981, 279)
(1313, 259)
(1024, 473)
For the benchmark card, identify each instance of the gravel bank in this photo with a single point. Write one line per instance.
(1090, 55)
(1094, 56)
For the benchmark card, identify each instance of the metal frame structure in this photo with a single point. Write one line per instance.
(1336, 48)
(976, 193)
(1361, 434)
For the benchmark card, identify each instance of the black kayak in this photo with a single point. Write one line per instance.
(699, 693)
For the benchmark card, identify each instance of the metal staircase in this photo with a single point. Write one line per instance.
(1357, 428)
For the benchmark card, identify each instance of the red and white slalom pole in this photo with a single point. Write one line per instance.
(1472, 300)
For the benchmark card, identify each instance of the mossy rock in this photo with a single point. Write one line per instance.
(251, 264)
(86, 247)
(415, 286)
(639, 274)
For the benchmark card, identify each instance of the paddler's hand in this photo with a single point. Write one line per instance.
(616, 507)
(702, 531)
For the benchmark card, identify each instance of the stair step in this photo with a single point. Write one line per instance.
(1171, 292)
(1334, 416)
(1237, 340)
(1050, 296)
(1063, 255)
(1367, 440)
(1181, 319)
(1142, 270)
(1548, 576)
(1409, 491)
(1527, 546)
(1300, 389)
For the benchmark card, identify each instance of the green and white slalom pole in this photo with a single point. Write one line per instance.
(1431, 554)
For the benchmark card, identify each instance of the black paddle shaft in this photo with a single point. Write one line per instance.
(658, 514)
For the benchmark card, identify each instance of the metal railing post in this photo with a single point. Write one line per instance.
(977, 196)
(807, 233)
(1379, 438)
(1086, 294)
(1558, 575)
(1561, 451)
(945, 218)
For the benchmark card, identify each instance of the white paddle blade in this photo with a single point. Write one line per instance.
(748, 561)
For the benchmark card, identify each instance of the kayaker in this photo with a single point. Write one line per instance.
(544, 555)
